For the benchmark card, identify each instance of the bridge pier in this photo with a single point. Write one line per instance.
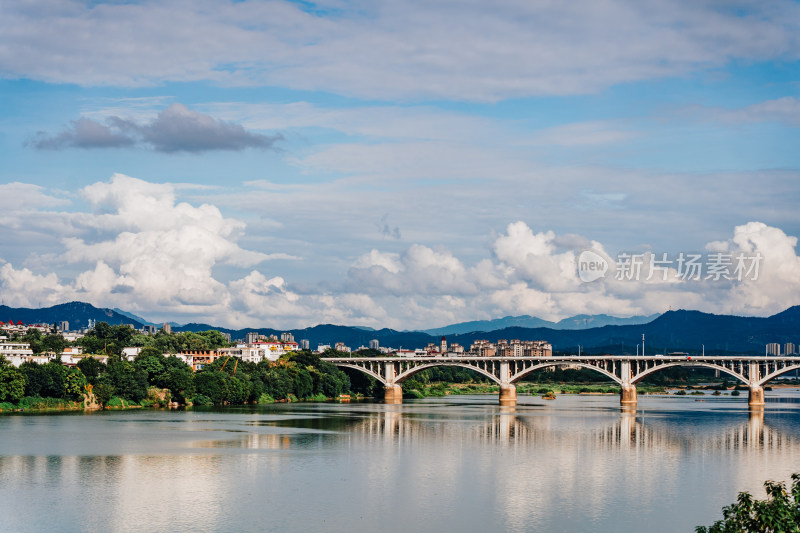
(508, 395)
(394, 394)
(756, 397)
(627, 396)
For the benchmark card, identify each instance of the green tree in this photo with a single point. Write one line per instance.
(779, 513)
(74, 383)
(126, 380)
(34, 338)
(178, 378)
(101, 330)
(54, 343)
(214, 339)
(91, 368)
(12, 382)
(151, 361)
(122, 335)
(45, 380)
(302, 383)
(103, 392)
(278, 383)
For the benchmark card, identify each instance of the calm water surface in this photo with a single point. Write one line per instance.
(451, 464)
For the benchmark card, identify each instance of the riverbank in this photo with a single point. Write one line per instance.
(35, 404)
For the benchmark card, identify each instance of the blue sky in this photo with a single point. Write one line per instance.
(404, 164)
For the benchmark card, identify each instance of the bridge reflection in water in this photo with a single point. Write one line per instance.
(629, 431)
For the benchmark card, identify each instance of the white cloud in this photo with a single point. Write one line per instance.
(532, 274)
(410, 49)
(784, 110)
(139, 248)
(584, 134)
(20, 197)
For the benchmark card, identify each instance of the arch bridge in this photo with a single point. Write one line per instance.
(625, 370)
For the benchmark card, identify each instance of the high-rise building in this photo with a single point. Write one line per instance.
(789, 349)
(251, 337)
(773, 348)
(287, 337)
(63, 326)
(167, 327)
(305, 344)
(374, 344)
(443, 347)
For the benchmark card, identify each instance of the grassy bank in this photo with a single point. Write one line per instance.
(38, 404)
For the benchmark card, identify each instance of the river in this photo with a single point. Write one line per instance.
(577, 463)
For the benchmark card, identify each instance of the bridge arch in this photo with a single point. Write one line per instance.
(401, 377)
(363, 370)
(519, 375)
(777, 373)
(640, 376)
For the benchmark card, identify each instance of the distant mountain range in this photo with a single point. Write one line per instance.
(687, 331)
(76, 313)
(526, 321)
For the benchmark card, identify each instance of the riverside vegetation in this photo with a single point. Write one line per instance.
(153, 379)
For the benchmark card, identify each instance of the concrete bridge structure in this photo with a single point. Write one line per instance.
(625, 370)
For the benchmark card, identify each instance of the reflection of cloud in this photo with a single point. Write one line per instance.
(175, 129)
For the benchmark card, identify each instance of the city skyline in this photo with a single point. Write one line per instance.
(407, 165)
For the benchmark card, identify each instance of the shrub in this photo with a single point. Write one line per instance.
(201, 399)
(265, 398)
(779, 512)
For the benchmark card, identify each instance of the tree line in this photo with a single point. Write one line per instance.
(228, 380)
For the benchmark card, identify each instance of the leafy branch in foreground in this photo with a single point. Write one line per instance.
(780, 512)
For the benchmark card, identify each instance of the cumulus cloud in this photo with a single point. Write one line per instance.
(409, 49)
(137, 246)
(175, 129)
(536, 273)
(144, 249)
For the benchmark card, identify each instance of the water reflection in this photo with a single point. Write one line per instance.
(457, 464)
(629, 430)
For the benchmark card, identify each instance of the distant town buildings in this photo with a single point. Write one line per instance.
(512, 348)
(773, 348)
